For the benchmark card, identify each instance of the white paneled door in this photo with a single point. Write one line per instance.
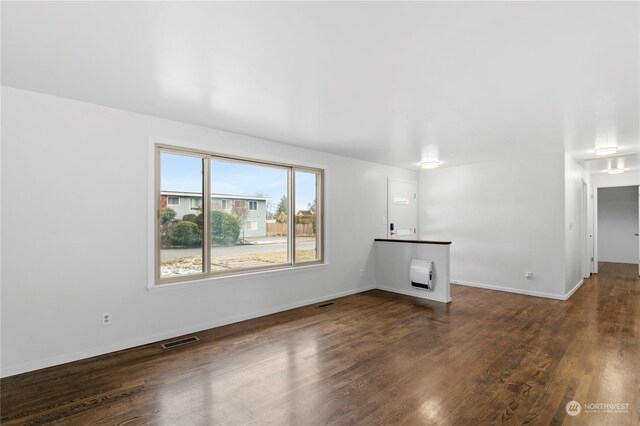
(402, 209)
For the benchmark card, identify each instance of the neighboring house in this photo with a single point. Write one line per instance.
(255, 221)
(305, 216)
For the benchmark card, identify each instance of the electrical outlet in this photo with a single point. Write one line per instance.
(529, 275)
(106, 318)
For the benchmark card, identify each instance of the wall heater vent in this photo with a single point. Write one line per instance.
(181, 342)
(421, 274)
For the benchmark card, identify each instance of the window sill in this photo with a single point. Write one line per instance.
(209, 280)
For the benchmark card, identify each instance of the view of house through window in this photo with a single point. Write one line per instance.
(251, 214)
(180, 233)
(306, 218)
(242, 237)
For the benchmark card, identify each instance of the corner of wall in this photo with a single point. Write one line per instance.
(575, 217)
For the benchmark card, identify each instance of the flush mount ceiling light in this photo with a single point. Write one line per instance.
(607, 150)
(615, 171)
(429, 164)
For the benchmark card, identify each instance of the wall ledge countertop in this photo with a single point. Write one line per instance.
(413, 241)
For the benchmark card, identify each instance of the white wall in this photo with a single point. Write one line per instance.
(575, 223)
(504, 218)
(74, 233)
(625, 179)
(393, 261)
(617, 224)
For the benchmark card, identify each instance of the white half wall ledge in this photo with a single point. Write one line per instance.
(393, 260)
(129, 344)
(520, 291)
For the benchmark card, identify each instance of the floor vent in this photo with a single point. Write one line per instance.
(326, 304)
(181, 342)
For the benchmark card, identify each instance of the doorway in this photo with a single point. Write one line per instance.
(618, 224)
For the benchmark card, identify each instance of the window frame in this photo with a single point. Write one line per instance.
(319, 213)
(207, 157)
(249, 203)
(173, 196)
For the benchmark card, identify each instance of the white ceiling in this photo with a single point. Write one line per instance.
(395, 83)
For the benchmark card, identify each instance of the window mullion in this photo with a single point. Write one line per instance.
(319, 216)
(206, 214)
(157, 198)
(291, 216)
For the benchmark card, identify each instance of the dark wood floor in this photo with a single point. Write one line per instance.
(371, 358)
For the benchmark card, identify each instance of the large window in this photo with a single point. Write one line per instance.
(260, 215)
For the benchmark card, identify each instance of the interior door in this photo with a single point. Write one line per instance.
(402, 209)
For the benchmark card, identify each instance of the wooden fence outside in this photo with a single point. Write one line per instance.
(302, 229)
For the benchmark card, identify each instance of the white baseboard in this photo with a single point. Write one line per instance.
(573, 290)
(415, 293)
(101, 350)
(521, 291)
(514, 290)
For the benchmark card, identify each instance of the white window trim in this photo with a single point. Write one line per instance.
(220, 138)
(255, 203)
(206, 281)
(172, 196)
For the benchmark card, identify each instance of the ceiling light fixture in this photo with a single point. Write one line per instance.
(607, 150)
(429, 164)
(615, 171)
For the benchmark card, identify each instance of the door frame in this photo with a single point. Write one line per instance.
(412, 182)
(586, 231)
(595, 220)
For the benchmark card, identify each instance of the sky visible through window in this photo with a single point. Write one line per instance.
(183, 173)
